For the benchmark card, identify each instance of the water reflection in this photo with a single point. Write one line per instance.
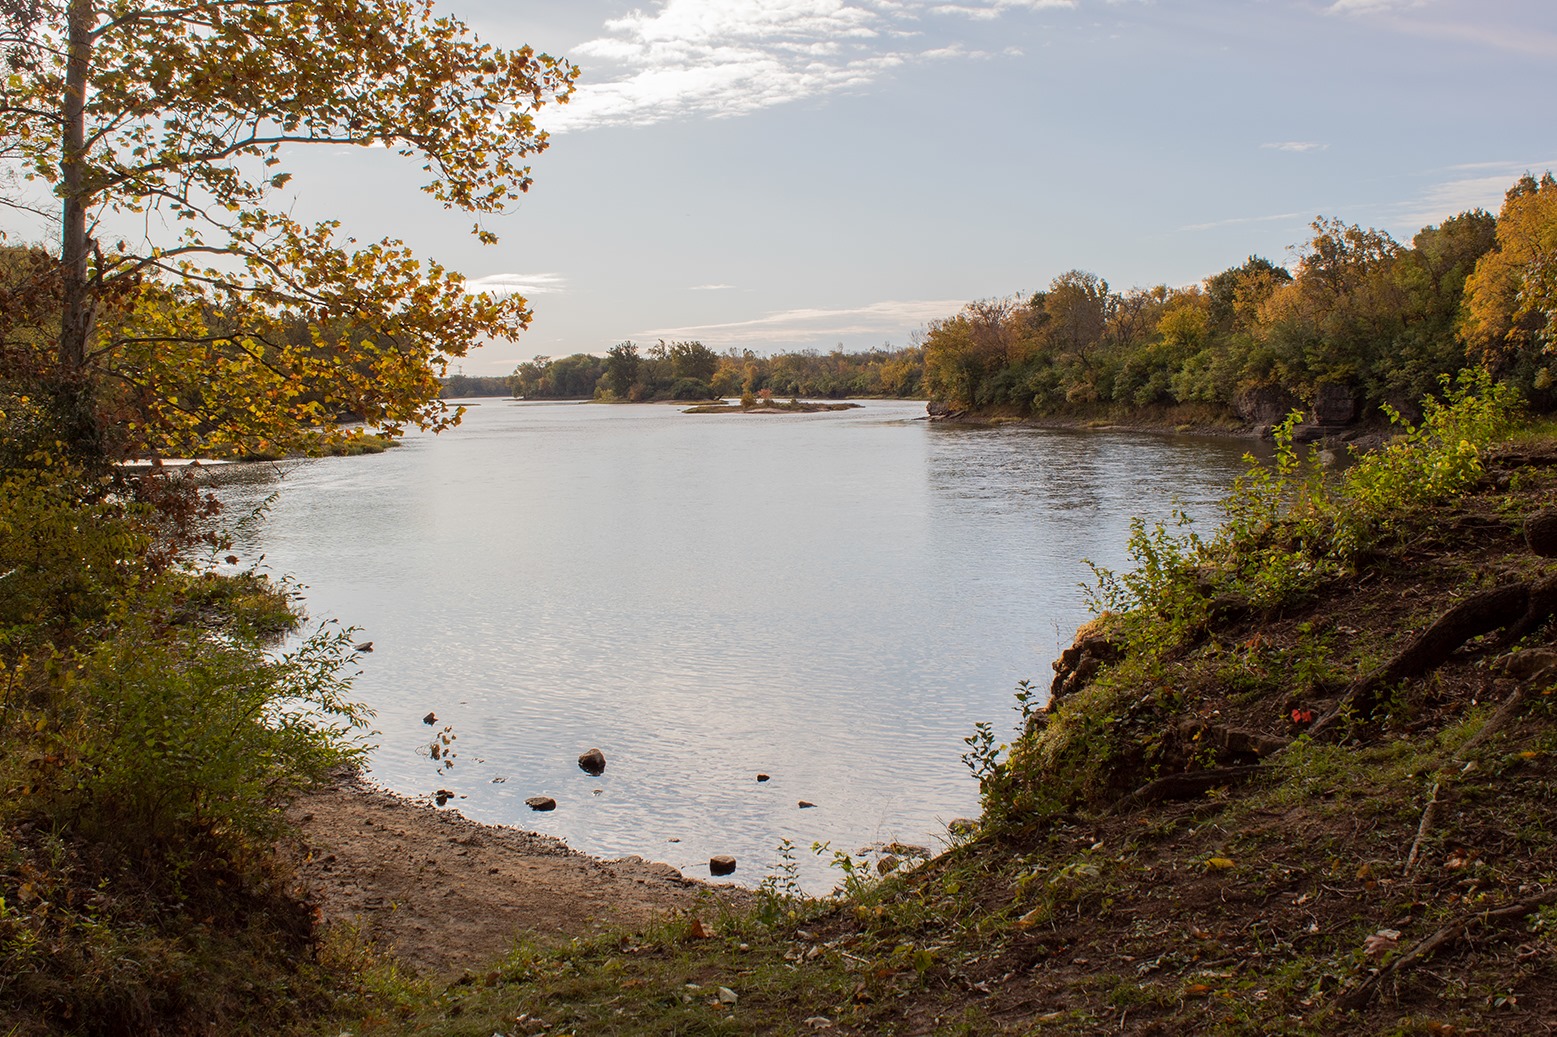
(832, 599)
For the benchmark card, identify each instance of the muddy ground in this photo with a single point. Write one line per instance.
(443, 892)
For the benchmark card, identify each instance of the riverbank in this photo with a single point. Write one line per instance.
(1269, 799)
(1364, 433)
(441, 892)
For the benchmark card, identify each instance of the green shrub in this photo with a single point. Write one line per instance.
(1286, 528)
(1289, 525)
(150, 735)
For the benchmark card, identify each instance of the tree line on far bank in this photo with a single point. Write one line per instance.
(692, 371)
(1360, 320)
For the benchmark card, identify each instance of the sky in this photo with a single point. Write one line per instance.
(803, 174)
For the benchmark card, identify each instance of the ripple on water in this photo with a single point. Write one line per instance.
(831, 599)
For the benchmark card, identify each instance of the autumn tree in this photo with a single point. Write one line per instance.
(692, 360)
(1511, 299)
(180, 115)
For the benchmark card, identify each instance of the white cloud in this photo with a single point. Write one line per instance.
(518, 284)
(1371, 6)
(1489, 26)
(984, 10)
(1240, 220)
(893, 317)
(710, 287)
(1462, 193)
(1296, 145)
(715, 58)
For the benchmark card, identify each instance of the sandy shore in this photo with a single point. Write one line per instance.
(444, 892)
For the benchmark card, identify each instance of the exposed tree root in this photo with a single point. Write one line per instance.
(1478, 614)
(1184, 786)
(1429, 819)
(1451, 934)
(1497, 722)
(1542, 606)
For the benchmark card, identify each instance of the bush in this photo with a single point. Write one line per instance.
(1287, 527)
(149, 740)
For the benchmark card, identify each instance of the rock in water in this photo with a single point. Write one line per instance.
(541, 803)
(764, 777)
(806, 804)
(721, 865)
(1541, 532)
(592, 762)
(442, 796)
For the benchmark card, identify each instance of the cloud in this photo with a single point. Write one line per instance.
(722, 58)
(893, 317)
(518, 284)
(1515, 39)
(991, 9)
(1371, 6)
(710, 287)
(1489, 27)
(1240, 220)
(1296, 145)
(1458, 194)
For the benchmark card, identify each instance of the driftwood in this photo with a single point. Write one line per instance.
(1449, 935)
(1478, 614)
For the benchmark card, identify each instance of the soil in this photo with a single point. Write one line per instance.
(443, 892)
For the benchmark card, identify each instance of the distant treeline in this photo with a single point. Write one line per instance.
(692, 371)
(461, 386)
(1361, 320)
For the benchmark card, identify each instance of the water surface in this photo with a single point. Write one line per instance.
(831, 599)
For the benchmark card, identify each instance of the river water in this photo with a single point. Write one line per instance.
(831, 599)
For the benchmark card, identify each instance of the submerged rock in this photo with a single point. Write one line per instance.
(541, 803)
(723, 864)
(592, 762)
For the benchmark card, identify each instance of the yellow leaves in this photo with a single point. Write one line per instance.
(1220, 864)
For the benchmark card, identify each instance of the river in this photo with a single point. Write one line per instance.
(832, 600)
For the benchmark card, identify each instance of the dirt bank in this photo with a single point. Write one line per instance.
(444, 892)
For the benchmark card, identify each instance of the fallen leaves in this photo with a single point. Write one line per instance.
(1381, 943)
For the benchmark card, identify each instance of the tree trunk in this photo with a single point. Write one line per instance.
(73, 391)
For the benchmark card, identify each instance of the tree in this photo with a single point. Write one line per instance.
(693, 360)
(245, 326)
(621, 371)
(1511, 299)
(1079, 306)
(1235, 294)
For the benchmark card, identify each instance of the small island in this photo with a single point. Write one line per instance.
(763, 403)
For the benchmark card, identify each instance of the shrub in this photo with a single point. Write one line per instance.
(149, 738)
(1286, 527)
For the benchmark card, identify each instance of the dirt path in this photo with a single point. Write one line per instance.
(444, 892)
